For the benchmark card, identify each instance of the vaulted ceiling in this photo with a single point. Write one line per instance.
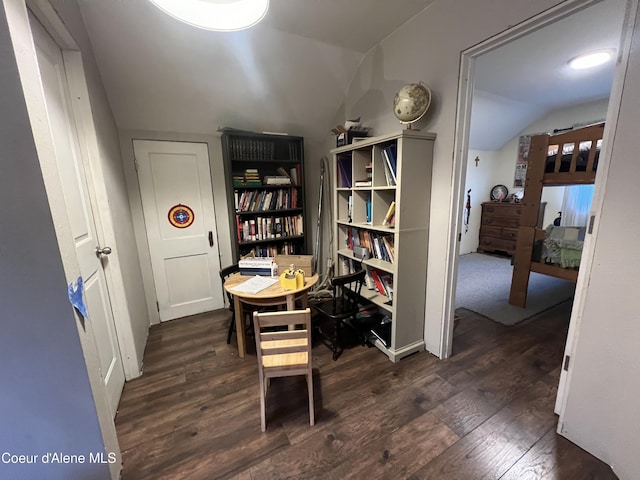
(290, 72)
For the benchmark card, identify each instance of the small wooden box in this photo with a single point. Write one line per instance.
(301, 262)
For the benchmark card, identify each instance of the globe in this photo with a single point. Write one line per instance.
(411, 103)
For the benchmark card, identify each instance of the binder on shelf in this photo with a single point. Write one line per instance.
(392, 151)
(389, 169)
(344, 166)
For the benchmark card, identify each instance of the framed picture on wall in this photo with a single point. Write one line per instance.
(521, 163)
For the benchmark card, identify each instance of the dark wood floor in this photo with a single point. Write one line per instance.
(485, 413)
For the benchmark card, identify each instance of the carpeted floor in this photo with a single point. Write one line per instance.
(483, 287)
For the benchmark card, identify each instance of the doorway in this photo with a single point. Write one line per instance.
(496, 106)
(178, 207)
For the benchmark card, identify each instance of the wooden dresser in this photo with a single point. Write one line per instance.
(499, 226)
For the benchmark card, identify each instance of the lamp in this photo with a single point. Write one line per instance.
(590, 59)
(219, 15)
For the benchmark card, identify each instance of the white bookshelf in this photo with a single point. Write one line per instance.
(409, 236)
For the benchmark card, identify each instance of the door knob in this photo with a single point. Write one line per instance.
(103, 251)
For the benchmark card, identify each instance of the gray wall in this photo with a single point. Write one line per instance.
(46, 403)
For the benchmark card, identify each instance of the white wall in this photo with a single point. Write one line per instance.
(479, 179)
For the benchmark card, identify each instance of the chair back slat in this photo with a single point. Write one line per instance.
(283, 319)
(346, 290)
(283, 335)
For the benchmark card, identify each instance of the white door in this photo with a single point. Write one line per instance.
(81, 219)
(177, 202)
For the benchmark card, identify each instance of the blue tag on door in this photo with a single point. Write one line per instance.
(75, 297)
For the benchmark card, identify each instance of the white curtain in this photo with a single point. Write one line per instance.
(576, 204)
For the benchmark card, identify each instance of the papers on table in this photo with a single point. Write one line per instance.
(255, 284)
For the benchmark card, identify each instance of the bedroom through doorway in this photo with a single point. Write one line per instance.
(522, 88)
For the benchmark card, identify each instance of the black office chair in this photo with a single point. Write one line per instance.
(224, 274)
(341, 308)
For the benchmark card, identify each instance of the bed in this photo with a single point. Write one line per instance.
(569, 158)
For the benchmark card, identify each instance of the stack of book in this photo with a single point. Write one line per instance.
(258, 266)
(252, 178)
(282, 178)
(277, 180)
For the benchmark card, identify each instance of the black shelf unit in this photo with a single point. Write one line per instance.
(267, 154)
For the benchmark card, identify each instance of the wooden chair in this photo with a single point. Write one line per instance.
(283, 353)
(341, 308)
(224, 274)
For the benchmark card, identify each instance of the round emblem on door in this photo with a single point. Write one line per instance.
(181, 216)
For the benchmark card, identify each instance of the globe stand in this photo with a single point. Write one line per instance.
(409, 127)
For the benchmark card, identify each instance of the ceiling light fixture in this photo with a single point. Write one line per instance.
(591, 59)
(219, 15)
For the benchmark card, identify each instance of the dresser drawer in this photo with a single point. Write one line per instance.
(509, 221)
(492, 244)
(499, 232)
(502, 209)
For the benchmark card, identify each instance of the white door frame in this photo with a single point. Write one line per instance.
(152, 227)
(461, 148)
(216, 166)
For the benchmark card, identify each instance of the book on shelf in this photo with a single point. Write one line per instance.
(344, 168)
(277, 180)
(368, 280)
(388, 243)
(392, 151)
(382, 331)
(282, 172)
(387, 283)
(362, 183)
(293, 173)
(388, 168)
(378, 282)
(391, 212)
(368, 209)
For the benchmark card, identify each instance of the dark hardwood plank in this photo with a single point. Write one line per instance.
(486, 412)
(556, 458)
(493, 447)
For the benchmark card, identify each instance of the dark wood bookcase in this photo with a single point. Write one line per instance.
(266, 218)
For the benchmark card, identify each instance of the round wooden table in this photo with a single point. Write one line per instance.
(272, 295)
